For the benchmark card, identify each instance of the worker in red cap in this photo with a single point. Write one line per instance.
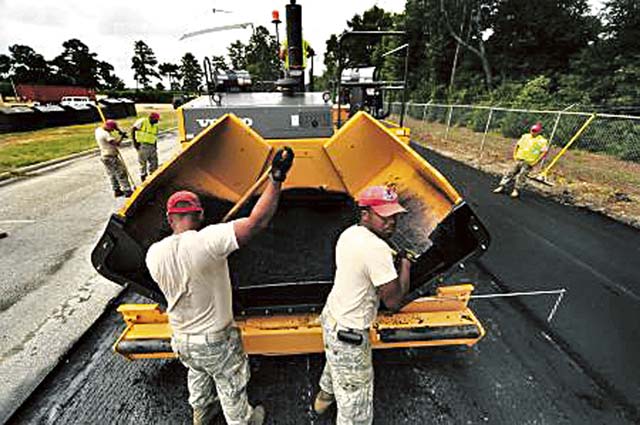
(144, 134)
(528, 152)
(191, 269)
(108, 137)
(365, 274)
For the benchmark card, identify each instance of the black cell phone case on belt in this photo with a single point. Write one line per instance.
(350, 337)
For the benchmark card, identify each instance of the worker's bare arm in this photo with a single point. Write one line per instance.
(262, 213)
(114, 141)
(394, 291)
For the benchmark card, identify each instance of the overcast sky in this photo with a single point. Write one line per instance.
(110, 28)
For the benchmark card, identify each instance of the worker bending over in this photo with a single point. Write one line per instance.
(144, 134)
(528, 152)
(108, 137)
(365, 273)
(191, 269)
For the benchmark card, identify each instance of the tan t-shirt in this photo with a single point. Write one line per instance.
(104, 139)
(363, 263)
(191, 270)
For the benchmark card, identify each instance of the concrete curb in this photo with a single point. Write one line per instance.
(22, 172)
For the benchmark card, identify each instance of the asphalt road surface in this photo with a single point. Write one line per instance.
(540, 244)
(582, 368)
(49, 293)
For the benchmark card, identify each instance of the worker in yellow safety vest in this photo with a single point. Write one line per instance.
(529, 151)
(306, 49)
(145, 137)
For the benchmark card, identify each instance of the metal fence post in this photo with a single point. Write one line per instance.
(446, 133)
(484, 136)
(424, 115)
(553, 131)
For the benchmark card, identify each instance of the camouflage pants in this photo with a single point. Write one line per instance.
(147, 158)
(516, 174)
(348, 375)
(117, 173)
(217, 363)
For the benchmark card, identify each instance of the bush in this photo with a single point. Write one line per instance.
(437, 113)
(460, 116)
(630, 153)
(620, 138)
(534, 93)
(514, 124)
(477, 120)
(6, 90)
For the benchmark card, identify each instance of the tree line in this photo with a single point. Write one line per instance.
(185, 75)
(75, 65)
(547, 52)
(78, 65)
(513, 52)
(258, 56)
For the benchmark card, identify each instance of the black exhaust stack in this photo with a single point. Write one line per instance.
(294, 35)
(294, 76)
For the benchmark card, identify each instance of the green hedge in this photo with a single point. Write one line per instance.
(5, 89)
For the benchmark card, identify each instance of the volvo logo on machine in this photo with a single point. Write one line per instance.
(206, 122)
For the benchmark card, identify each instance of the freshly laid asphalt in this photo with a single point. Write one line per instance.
(541, 244)
(583, 367)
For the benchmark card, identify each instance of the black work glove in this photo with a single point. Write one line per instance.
(281, 163)
(407, 254)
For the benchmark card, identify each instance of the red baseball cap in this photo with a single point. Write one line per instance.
(110, 125)
(381, 199)
(154, 116)
(186, 197)
(536, 128)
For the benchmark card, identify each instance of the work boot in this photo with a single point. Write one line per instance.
(205, 415)
(514, 193)
(143, 177)
(257, 417)
(498, 189)
(323, 401)
(118, 193)
(128, 193)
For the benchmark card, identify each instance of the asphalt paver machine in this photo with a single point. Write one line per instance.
(282, 278)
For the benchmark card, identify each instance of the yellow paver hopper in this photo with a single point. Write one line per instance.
(281, 280)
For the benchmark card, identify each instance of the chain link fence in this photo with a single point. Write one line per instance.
(617, 136)
(587, 149)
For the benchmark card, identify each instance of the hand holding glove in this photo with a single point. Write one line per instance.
(281, 163)
(405, 254)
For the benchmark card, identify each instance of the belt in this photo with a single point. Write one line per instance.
(335, 326)
(203, 338)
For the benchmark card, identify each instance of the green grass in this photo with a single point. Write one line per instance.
(31, 147)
